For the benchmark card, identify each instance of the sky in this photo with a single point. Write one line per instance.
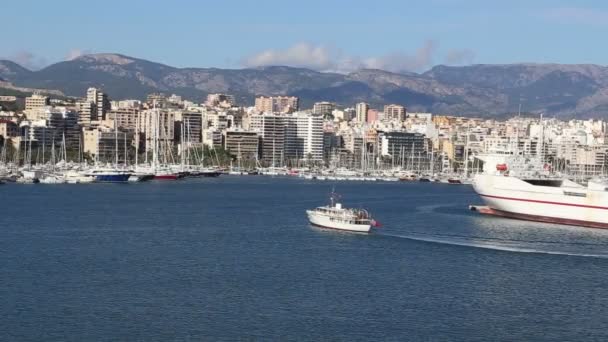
(325, 35)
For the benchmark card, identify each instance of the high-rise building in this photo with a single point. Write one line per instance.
(65, 123)
(101, 101)
(304, 136)
(192, 126)
(361, 111)
(394, 112)
(323, 108)
(271, 128)
(87, 112)
(36, 101)
(54, 126)
(277, 104)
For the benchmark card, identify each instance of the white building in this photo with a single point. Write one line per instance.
(361, 112)
(304, 136)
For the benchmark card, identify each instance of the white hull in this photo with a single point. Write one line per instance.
(325, 221)
(569, 203)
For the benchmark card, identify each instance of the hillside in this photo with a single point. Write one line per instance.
(480, 90)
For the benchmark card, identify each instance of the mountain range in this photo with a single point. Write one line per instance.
(561, 90)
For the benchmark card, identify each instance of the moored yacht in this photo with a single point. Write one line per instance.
(109, 175)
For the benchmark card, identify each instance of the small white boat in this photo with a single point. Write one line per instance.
(53, 179)
(334, 216)
(75, 177)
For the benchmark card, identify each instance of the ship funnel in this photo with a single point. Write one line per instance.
(338, 205)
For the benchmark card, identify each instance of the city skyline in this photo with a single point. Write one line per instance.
(325, 36)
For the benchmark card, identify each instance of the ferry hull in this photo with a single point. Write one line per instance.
(515, 198)
(539, 218)
(325, 222)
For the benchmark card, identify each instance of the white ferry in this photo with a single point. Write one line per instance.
(519, 190)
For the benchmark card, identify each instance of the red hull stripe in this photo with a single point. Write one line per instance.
(547, 219)
(545, 202)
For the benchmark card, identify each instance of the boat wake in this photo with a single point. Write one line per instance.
(493, 244)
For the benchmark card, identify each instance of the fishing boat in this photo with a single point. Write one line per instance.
(334, 216)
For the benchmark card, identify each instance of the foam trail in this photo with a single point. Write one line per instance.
(474, 244)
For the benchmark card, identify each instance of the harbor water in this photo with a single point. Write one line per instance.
(234, 258)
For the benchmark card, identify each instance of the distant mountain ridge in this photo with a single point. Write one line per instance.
(486, 90)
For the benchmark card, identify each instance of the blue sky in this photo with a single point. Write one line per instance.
(324, 35)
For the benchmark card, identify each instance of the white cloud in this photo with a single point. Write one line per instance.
(399, 61)
(322, 58)
(28, 60)
(300, 55)
(75, 53)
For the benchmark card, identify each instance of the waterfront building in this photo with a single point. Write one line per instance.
(212, 137)
(304, 137)
(393, 144)
(64, 122)
(191, 124)
(106, 145)
(331, 142)
(271, 128)
(242, 144)
(51, 125)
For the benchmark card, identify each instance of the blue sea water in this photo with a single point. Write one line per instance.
(234, 258)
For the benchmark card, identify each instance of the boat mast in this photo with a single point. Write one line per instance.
(466, 152)
(136, 141)
(43, 143)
